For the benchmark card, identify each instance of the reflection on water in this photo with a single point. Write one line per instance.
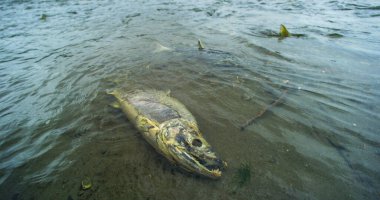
(58, 58)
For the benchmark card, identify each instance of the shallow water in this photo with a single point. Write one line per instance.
(321, 141)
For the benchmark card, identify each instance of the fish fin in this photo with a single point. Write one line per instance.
(146, 125)
(115, 105)
(168, 92)
(110, 92)
(201, 46)
(160, 48)
(118, 96)
(114, 93)
(283, 31)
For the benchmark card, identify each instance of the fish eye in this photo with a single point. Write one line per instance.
(197, 143)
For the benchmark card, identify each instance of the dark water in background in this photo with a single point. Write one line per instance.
(57, 129)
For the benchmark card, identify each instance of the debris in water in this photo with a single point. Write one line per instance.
(263, 111)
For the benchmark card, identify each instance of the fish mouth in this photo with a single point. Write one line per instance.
(204, 165)
(213, 166)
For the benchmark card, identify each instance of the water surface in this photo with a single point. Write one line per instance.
(58, 59)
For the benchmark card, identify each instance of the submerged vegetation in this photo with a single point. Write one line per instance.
(242, 177)
(243, 174)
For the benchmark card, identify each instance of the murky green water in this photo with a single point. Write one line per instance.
(321, 141)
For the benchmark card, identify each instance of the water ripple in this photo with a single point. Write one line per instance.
(54, 74)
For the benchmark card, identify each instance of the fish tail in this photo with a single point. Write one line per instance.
(114, 93)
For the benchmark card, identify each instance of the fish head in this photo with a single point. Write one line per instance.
(181, 142)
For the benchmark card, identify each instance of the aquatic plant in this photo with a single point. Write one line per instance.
(243, 174)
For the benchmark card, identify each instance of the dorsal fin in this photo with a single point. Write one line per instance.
(200, 45)
(283, 31)
(160, 48)
(168, 92)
